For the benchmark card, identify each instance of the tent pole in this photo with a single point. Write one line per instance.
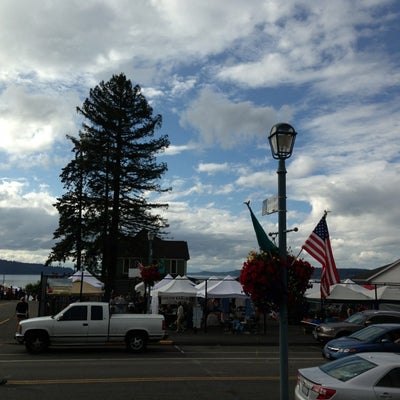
(80, 293)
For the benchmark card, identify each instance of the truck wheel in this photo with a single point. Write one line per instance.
(136, 342)
(36, 343)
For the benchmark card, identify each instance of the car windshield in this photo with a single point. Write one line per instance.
(370, 333)
(347, 368)
(356, 319)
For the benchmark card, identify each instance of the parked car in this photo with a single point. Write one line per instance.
(331, 330)
(367, 376)
(377, 338)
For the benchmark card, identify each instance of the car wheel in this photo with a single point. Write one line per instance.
(136, 342)
(36, 343)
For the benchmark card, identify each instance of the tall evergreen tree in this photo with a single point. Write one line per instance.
(113, 167)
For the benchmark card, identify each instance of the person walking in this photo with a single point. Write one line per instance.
(180, 317)
(197, 317)
(22, 309)
(3, 381)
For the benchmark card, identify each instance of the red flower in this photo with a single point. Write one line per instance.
(261, 278)
(150, 275)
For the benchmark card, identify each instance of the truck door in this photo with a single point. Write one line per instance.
(98, 325)
(72, 327)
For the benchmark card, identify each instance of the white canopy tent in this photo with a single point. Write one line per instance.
(84, 282)
(154, 292)
(340, 292)
(358, 288)
(229, 287)
(211, 281)
(167, 279)
(387, 293)
(181, 286)
(140, 287)
(87, 277)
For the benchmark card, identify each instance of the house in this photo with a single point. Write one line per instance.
(383, 276)
(385, 281)
(171, 256)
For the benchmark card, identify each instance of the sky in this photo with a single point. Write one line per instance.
(221, 74)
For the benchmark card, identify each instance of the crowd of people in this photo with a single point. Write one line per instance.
(198, 314)
(11, 293)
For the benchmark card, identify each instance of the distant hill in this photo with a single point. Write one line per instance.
(20, 268)
(344, 273)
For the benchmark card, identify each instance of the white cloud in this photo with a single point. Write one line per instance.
(16, 194)
(32, 122)
(212, 168)
(227, 124)
(174, 150)
(28, 221)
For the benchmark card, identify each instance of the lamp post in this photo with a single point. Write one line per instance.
(281, 140)
(150, 236)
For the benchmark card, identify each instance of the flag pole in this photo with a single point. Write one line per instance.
(295, 258)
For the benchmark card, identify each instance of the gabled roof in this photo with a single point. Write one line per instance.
(386, 275)
(138, 246)
(170, 249)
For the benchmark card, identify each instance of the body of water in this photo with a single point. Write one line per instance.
(18, 281)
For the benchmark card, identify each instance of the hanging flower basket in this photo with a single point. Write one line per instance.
(150, 275)
(261, 279)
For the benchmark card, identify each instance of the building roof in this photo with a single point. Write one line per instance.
(386, 275)
(170, 249)
(138, 246)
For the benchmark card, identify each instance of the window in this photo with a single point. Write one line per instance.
(357, 319)
(76, 313)
(383, 319)
(173, 266)
(96, 313)
(126, 263)
(395, 336)
(391, 379)
(371, 333)
(347, 368)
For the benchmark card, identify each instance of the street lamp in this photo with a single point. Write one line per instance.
(150, 235)
(281, 140)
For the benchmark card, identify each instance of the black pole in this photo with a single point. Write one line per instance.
(283, 307)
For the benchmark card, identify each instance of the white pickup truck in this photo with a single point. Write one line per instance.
(91, 324)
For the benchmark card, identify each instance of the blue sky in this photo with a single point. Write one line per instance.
(221, 76)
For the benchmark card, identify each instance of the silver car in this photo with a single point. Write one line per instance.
(366, 376)
(332, 330)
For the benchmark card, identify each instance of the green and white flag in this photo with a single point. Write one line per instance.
(262, 238)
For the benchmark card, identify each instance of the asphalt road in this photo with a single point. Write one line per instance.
(165, 371)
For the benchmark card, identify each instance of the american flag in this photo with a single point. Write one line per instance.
(318, 246)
